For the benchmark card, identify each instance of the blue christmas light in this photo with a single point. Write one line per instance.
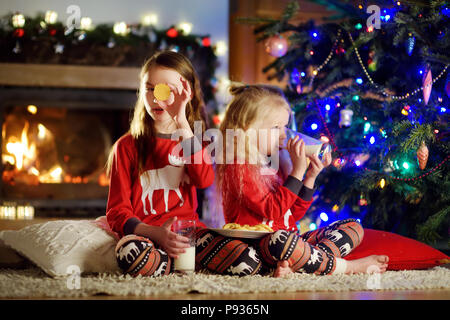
(314, 126)
(312, 226)
(358, 163)
(372, 140)
(302, 74)
(420, 71)
(295, 76)
(327, 107)
(359, 81)
(367, 127)
(443, 109)
(315, 34)
(323, 216)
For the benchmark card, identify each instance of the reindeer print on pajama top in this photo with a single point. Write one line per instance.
(168, 178)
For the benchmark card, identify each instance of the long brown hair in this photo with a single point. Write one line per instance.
(142, 127)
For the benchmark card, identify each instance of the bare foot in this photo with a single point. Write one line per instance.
(369, 264)
(282, 269)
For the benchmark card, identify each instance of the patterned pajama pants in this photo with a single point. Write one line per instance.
(312, 252)
(315, 251)
(138, 255)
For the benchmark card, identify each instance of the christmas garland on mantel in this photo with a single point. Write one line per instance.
(36, 41)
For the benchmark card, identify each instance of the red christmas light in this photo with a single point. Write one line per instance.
(19, 33)
(206, 42)
(216, 119)
(172, 32)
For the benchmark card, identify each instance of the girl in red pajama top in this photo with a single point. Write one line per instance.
(255, 189)
(253, 192)
(152, 183)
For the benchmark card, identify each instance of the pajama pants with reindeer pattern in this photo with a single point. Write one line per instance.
(319, 251)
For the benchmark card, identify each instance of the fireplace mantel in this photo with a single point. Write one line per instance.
(69, 76)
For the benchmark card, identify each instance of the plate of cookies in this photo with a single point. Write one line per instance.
(236, 230)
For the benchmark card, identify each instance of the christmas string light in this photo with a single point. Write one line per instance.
(330, 55)
(394, 97)
(341, 155)
(330, 135)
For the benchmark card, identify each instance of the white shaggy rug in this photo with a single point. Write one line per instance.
(34, 283)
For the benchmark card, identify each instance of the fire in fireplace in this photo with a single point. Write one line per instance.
(49, 145)
(54, 146)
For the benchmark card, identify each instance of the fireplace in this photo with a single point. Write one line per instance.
(56, 136)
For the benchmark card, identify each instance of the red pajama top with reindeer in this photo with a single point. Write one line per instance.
(165, 189)
(250, 197)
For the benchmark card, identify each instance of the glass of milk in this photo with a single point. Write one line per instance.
(185, 263)
(312, 146)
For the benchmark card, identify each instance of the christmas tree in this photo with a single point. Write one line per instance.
(373, 82)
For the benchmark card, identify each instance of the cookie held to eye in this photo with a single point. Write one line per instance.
(161, 92)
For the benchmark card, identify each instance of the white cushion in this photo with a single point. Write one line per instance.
(58, 246)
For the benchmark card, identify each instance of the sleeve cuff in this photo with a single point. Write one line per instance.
(130, 225)
(293, 184)
(306, 193)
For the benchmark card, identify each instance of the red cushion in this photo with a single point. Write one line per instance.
(404, 253)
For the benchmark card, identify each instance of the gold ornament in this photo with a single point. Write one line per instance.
(422, 156)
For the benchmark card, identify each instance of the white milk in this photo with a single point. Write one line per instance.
(186, 261)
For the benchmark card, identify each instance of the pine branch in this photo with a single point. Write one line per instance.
(290, 11)
(425, 3)
(417, 135)
(344, 9)
(427, 231)
(400, 127)
(255, 20)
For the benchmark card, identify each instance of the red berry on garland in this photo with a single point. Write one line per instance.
(339, 50)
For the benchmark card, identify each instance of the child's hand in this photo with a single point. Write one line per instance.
(171, 242)
(296, 149)
(316, 166)
(176, 104)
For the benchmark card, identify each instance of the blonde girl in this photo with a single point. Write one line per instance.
(254, 191)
